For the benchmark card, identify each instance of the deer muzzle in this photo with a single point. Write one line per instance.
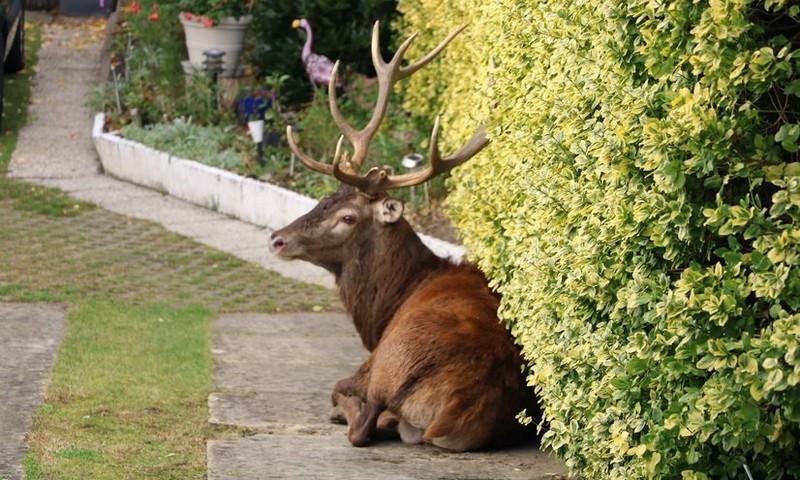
(278, 244)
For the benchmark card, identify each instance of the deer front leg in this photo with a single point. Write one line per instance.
(363, 427)
(346, 408)
(354, 386)
(348, 402)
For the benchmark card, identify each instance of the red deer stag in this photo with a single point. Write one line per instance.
(442, 366)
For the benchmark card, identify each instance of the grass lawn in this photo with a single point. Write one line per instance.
(128, 393)
(127, 397)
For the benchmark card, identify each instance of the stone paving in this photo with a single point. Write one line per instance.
(98, 252)
(275, 373)
(29, 337)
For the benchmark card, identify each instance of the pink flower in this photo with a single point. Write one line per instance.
(208, 23)
(153, 17)
(136, 7)
(188, 16)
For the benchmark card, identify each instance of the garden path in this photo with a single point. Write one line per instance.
(29, 337)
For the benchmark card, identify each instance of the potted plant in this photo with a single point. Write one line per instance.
(219, 24)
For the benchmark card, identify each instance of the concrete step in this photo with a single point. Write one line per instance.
(274, 375)
(309, 456)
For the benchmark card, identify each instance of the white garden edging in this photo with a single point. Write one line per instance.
(255, 202)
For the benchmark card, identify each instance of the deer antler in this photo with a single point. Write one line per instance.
(379, 179)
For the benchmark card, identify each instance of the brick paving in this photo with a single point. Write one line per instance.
(101, 253)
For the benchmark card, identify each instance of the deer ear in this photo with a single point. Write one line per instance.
(389, 210)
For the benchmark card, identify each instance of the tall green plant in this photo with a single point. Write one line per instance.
(638, 211)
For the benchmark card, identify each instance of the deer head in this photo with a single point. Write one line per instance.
(361, 213)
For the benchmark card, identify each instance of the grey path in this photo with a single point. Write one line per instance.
(29, 337)
(55, 149)
(274, 374)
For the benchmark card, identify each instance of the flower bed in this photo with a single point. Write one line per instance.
(247, 199)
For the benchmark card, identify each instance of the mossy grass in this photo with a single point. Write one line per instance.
(16, 96)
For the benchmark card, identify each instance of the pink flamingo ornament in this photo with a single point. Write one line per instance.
(318, 67)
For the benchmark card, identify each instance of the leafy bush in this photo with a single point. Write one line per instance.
(213, 146)
(637, 210)
(342, 30)
(215, 10)
(147, 83)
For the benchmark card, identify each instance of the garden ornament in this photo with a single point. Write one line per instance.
(318, 67)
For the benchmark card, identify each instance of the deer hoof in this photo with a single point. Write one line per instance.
(358, 440)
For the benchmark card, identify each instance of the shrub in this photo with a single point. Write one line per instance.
(211, 145)
(637, 211)
(147, 84)
(342, 30)
(214, 11)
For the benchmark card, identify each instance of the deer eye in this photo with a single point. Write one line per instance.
(349, 219)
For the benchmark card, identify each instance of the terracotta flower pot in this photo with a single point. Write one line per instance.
(227, 36)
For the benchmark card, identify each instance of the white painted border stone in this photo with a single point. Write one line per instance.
(249, 200)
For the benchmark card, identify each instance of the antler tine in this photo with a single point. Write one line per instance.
(344, 127)
(410, 69)
(437, 164)
(381, 67)
(368, 184)
(308, 161)
(378, 179)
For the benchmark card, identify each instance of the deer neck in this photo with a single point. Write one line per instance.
(384, 270)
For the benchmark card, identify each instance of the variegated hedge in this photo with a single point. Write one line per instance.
(638, 211)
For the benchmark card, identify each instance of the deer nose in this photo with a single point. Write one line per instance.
(276, 242)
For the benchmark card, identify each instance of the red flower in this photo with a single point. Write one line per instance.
(136, 7)
(188, 16)
(153, 17)
(208, 23)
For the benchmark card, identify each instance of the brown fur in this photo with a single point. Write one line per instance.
(441, 360)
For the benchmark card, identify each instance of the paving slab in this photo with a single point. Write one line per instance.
(270, 368)
(29, 335)
(309, 456)
(274, 375)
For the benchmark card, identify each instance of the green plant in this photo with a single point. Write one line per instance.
(637, 211)
(147, 83)
(16, 95)
(210, 12)
(274, 117)
(211, 145)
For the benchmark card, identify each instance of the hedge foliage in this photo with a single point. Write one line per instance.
(638, 210)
